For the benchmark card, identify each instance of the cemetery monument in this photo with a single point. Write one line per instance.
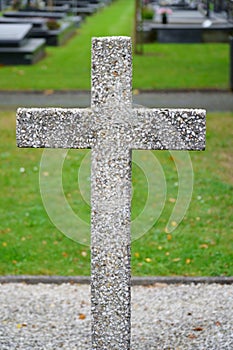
(112, 128)
(16, 47)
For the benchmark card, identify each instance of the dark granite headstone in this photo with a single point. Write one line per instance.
(172, 34)
(14, 34)
(58, 36)
(62, 2)
(187, 27)
(16, 48)
(83, 11)
(63, 8)
(40, 30)
(36, 22)
(26, 14)
(31, 52)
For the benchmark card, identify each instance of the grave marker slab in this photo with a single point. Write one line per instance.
(36, 22)
(83, 11)
(188, 27)
(64, 8)
(16, 48)
(27, 14)
(111, 128)
(14, 34)
(40, 30)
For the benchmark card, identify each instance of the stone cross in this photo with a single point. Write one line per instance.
(112, 128)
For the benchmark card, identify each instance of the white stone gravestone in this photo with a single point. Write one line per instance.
(112, 128)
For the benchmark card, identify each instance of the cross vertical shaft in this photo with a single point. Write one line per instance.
(111, 196)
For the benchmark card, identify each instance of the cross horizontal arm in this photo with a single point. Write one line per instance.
(54, 128)
(173, 129)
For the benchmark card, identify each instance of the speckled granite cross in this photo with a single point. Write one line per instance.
(111, 128)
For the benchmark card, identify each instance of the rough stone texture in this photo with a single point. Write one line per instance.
(111, 194)
(53, 128)
(112, 128)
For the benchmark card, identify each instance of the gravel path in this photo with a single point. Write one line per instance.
(169, 317)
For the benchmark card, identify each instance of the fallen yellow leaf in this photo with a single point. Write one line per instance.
(82, 316)
(137, 255)
(172, 200)
(169, 237)
(48, 92)
(204, 246)
(20, 325)
(7, 230)
(148, 260)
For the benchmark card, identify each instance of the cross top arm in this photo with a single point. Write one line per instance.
(111, 116)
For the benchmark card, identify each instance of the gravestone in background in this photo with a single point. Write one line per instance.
(16, 47)
(231, 63)
(27, 14)
(111, 128)
(14, 35)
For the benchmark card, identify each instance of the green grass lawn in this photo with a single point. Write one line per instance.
(163, 66)
(201, 245)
